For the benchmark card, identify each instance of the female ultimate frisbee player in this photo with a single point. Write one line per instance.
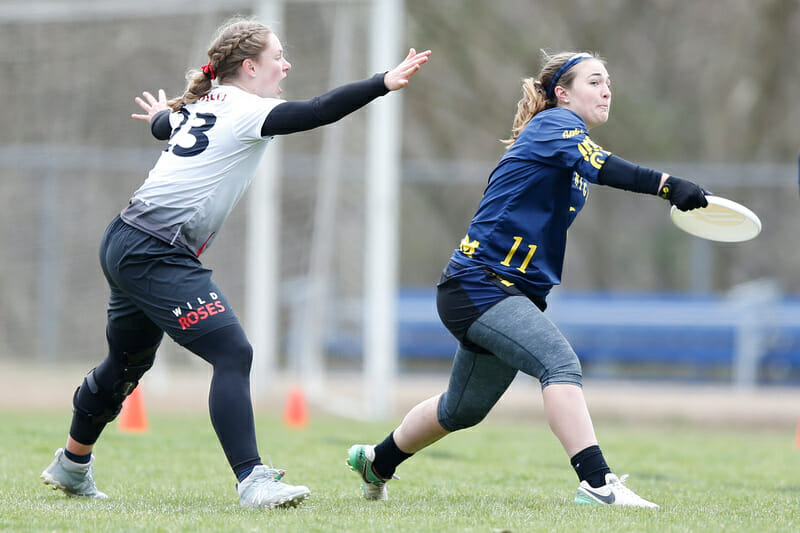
(217, 132)
(492, 293)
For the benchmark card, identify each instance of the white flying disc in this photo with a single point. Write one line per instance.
(723, 220)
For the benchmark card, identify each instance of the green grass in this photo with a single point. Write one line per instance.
(494, 477)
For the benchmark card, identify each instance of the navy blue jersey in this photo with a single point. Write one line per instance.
(534, 193)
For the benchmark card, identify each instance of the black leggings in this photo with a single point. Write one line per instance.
(229, 402)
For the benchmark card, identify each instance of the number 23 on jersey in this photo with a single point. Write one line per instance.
(189, 137)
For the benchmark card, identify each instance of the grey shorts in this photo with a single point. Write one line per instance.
(511, 336)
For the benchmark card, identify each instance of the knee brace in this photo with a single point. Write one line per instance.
(102, 402)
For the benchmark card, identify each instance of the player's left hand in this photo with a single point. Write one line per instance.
(150, 105)
(398, 77)
(683, 194)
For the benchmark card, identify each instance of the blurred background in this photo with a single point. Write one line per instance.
(701, 89)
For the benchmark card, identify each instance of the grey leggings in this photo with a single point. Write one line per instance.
(516, 336)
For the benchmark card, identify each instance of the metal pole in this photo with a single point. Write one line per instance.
(701, 261)
(317, 299)
(50, 256)
(382, 199)
(263, 241)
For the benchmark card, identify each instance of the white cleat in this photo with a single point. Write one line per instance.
(263, 488)
(614, 492)
(73, 478)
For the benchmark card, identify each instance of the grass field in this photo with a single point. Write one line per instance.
(496, 477)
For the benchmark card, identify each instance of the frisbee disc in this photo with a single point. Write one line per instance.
(723, 221)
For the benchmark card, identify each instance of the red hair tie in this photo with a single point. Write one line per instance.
(208, 70)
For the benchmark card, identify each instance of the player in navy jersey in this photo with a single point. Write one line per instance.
(492, 293)
(217, 131)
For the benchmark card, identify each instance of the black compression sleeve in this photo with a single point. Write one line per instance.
(302, 115)
(622, 174)
(159, 125)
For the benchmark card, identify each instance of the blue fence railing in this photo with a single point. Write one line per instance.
(684, 335)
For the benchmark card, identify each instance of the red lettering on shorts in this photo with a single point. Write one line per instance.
(208, 310)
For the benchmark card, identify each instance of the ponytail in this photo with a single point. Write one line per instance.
(197, 87)
(532, 102)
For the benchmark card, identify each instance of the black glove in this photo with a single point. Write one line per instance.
(683, 194)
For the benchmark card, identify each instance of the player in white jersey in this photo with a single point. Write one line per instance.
(217, 132)
(208, 164)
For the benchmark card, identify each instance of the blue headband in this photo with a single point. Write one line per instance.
(568, 64)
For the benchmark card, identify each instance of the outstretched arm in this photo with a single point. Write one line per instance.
(302, 115)
(622, 174)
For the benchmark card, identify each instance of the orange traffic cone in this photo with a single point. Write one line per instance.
(132, 418)
(296, 413)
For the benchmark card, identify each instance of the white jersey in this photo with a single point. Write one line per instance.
(212, 155)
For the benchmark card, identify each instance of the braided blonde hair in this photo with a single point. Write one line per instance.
(534, 92)
(236, 40)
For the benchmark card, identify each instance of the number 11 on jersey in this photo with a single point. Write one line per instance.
(525, 262)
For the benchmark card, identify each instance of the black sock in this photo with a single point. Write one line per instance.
(243, 470)
(80, 459)
(387, 457)
(590, 465)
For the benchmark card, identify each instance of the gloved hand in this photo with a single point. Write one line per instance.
(683, 194)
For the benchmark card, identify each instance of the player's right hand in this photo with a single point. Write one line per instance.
(150, 105)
